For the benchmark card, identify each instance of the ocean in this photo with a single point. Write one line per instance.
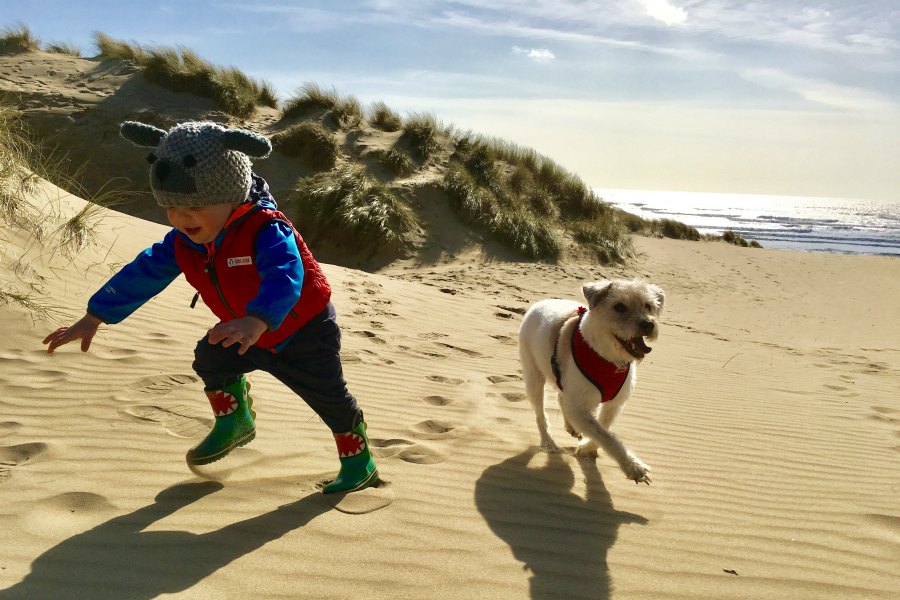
(809, 224)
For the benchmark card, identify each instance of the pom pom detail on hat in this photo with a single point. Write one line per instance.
(198, 163)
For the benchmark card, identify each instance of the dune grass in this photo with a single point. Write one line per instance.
(17, 181)
(736, 239)
(310, 142)
(313, 100)
(383, 118)
(63, 48)
(421, 133)
(346, 206)
(504, 217)
(606, 237)
(393, 161)
(18, 38)
(182, 70)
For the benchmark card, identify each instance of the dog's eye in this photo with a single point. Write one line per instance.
(648, 307)
(189, 161)
(620, 308)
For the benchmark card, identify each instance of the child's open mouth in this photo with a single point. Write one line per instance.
(192, 230)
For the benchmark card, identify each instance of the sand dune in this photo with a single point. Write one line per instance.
(768, 411)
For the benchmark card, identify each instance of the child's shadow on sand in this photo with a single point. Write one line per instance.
(117, 560)
(561, 538)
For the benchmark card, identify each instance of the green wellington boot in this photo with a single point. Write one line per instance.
(234, 425)
(357, 467)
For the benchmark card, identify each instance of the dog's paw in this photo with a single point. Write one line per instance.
(637, 471)
(586, 452)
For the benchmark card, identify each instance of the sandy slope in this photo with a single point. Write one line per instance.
(768, 411)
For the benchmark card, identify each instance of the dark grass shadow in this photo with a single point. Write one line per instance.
(561, 538)
(117, 560)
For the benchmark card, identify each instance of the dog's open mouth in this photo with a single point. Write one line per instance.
(635, 347)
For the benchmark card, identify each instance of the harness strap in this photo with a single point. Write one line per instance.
(606, 376)
(554, 360)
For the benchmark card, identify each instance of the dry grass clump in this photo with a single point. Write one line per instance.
(310, 142)
(314, 100)
(18, 38)
(393, 161)
(181, 70)
(606, 237)
(736, 239)
(109, 48)
(344, 205)
(64, 48)
(504, 217)
(16, 180)
(383, 118)
(421, 134)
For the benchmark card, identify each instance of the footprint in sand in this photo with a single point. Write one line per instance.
(467, 352)
(411, 452)
(434, 429)
(179, 420)
(437, 400)
(503, 378)
(505, 339)
(365, 356)
(514, 396)
(447, 380)
(158, 385)
(369, 335)
(13, 456)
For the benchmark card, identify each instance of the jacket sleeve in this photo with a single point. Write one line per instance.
(135, 283)
(281, 268)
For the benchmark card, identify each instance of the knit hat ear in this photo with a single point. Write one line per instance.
(141, 134)
(248, 142)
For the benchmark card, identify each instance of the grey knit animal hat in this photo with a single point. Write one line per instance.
(198, 163)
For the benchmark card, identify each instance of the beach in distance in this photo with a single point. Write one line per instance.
(809, 224)
(768, 411)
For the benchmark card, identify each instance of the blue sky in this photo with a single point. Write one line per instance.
(766, 96)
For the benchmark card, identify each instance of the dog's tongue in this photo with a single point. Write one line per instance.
(640, 345)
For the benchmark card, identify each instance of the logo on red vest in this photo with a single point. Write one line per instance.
(349, 444)
(239, 261)
(222, 402)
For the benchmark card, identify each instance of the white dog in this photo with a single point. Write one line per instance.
(591, 354)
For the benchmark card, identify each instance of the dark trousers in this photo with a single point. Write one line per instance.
(310, 365)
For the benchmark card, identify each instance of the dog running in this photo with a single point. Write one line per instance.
(590, 353)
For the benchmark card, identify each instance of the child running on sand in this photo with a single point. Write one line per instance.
(255, 273)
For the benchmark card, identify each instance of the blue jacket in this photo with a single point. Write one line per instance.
(278, 262)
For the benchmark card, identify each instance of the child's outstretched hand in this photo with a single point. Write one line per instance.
(83, 329)
(244, 331)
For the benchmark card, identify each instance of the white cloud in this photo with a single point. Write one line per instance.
(538, 55)
(820, 92)
(665, 11)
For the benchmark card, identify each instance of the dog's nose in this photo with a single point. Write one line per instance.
(647, 326)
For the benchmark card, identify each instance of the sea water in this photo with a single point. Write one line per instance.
(842, 225)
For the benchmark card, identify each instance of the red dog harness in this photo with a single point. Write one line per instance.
(606, 376)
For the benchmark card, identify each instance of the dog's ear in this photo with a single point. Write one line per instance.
(660, 296)
(596, 291)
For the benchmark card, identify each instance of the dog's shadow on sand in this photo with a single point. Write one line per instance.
(118, 560)
(561, 538)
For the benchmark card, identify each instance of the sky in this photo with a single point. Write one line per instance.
(759, 96)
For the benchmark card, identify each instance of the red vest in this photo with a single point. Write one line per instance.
(607, 377)
(227, 280)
